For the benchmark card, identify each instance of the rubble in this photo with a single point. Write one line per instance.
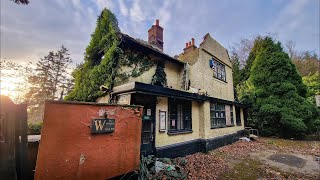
(162, 168)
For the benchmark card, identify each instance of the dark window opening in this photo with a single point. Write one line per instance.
(231, 115)
(238, 117)
(180, 115)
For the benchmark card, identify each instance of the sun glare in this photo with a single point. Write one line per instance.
(9, 87)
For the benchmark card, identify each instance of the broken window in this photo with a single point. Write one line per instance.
(219, 70)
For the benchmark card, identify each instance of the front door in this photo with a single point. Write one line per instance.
(148, 122)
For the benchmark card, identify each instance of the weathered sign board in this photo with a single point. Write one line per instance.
(102, 125)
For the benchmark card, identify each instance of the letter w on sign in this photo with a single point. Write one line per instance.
(102, 125)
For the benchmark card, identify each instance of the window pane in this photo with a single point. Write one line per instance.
(180, 114)
(217, 115)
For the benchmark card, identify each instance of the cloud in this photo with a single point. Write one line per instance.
(30, 32)
(136, 12)
(291, 15)
(123, 8)
(105, 4)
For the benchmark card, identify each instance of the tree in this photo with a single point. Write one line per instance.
(306, 63)
(160, 77)
(14, 79)
(100, 61)
(278, 93)
(313, 83)
(50, 75)
(241, 50)
(60, 65)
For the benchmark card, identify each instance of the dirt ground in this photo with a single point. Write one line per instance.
(265, 158)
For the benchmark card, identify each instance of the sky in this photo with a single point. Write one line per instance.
(29, 32)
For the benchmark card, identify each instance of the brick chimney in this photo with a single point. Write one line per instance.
(190, 46)
(155, 35)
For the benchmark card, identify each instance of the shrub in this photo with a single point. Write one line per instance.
(278, 95)
(34, 128)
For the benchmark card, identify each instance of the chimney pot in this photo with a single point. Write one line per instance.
(186, 44)
(157, 22)
(192, 41)
(189, 43)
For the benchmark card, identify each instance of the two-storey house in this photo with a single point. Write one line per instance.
(188, 99)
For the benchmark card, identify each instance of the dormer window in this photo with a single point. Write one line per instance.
(219, 69)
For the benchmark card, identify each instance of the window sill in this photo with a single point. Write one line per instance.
(179, 132)
(225, 126)
(220, 79)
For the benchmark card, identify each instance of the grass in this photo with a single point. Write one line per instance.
(246, 169)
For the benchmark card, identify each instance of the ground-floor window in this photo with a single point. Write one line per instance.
(179, 115)
(217, 115)
(231, 115)
(221, 115)
(238, 116)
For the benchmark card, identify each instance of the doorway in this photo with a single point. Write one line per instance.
(148, 122)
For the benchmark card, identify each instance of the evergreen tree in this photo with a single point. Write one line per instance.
(100, 61)
(50, 74)
(60, 64)
(160, 77)
(236, 75)
(279, 104)
(313, 83)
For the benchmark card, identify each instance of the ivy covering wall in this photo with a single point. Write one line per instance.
(138, 63)
(160, 77)
(103, 61)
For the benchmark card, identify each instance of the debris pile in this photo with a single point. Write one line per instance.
(162, 168)
(205, 166)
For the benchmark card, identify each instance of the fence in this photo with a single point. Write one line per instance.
(13, 140)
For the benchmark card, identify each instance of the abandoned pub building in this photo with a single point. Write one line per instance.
(188, 99)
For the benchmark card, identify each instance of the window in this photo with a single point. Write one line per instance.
(217, 115)
(231, 115)
(219, 70)
(180, 115)
(238, 116)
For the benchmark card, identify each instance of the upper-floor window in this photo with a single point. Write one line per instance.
(219, 69)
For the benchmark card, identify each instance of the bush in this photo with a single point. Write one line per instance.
(277, 95)
(34, 128)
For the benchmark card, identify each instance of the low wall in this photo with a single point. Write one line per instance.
(68, 149)
(197, 145)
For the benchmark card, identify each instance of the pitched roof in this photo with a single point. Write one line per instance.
(127, 40)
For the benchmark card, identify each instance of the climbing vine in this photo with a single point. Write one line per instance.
(160, 77)
(138, 63)
(103, 61)
(100, 60)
